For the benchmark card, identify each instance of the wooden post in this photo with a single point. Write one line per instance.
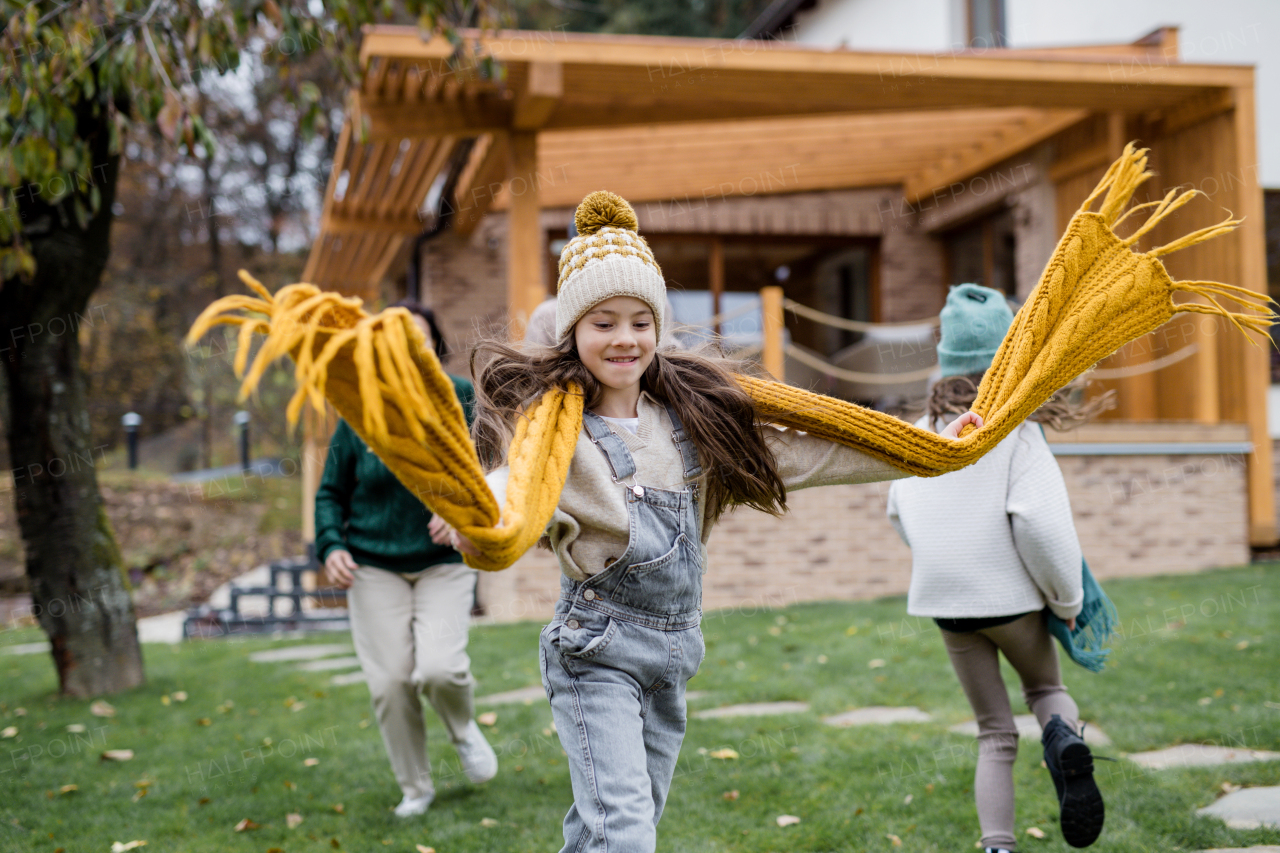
(773, 357)
(524, 238)
(715, 273)
(1256, 367)
(317, 428)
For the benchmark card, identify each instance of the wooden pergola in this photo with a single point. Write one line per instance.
(664, 118)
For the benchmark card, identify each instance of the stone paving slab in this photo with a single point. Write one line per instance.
(878, 715)
(307, 652)
(1029, 729)
(357, 677)
(754, 709)
(326, 664)
(521, 696)
(1199, 755)
(1248, 808)
(25, 648)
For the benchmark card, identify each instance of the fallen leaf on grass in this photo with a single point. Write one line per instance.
(1230, 788)
(75, 729)
(118, 755)
(488, 718)
(731, 795)
(422, 848)
(787, 819)
(311, 762)
(488, 821)
(334, 843)
(292, 819)
(875, 664)
(164, 700)
(9, 731)
(67, 789)
(275, 850)
(1242, 645)
(19, 712)
(297, 706)
(246, 824)
(118, 847)
(897, 842)
(101, 709)
(178, 696)
(1035, 832)
(204, 801)
(139, 794)
(204, 721)
(725, 754)
(906, 801)
(337, 807)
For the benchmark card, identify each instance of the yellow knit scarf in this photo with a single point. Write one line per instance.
(1095, 295)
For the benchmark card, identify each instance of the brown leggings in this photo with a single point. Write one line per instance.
(1028, 646)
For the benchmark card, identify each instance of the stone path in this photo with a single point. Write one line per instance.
(303, 652)
(357, 677)
(326, 664)
(878, 715)
(522, 696)
(1248, 808)
(1029, 729)
(754, 709)
(1199, 755)
(24, 648)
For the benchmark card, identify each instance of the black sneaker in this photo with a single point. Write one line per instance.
(1071, 765)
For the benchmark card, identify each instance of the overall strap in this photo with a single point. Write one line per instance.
(614, 448)
(688, 451)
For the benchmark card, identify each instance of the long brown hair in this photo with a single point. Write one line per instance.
(717, 414)
(1065, 410)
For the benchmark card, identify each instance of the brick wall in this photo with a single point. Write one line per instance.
(1136, 515)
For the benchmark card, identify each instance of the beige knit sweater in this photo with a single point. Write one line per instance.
(589, 527)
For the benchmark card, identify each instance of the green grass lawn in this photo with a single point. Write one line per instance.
(1198, 663)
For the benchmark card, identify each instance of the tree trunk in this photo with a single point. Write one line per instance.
(78, 587)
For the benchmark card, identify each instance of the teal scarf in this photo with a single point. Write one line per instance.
(1095, 626)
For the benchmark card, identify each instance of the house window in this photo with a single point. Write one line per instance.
(986, 24)
(982, 252)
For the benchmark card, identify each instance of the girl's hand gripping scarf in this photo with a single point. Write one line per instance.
(1095, 295)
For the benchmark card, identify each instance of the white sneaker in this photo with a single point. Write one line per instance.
(411, 807)
(478, 759)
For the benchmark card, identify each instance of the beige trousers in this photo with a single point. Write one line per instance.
(410, 634)
(1028, 646)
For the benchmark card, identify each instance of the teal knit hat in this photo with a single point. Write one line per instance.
(974, 322)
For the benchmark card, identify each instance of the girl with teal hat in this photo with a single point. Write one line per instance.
(997, 564)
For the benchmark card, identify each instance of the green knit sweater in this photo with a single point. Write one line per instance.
(363, 508)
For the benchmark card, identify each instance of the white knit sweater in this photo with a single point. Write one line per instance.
(590, 526)
(993, 539)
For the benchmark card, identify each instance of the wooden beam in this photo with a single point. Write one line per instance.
(665, 57)
(1001, 146)
(1257, 369)
(542, 93)
(392, 121)
(524, 234)
(312, 268)
(402, 223)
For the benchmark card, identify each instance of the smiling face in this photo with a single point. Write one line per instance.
(616, 341)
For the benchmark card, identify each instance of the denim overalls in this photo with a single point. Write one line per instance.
(617, 655)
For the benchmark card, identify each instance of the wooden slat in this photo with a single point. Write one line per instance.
(474, 199)
(1000, 146)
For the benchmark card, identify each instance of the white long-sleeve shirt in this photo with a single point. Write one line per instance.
(993, 539)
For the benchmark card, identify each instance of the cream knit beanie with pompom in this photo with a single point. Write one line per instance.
(607, 258)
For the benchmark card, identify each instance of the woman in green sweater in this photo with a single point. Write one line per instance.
(409, 600)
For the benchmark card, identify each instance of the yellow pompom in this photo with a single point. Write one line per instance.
(603, 208)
